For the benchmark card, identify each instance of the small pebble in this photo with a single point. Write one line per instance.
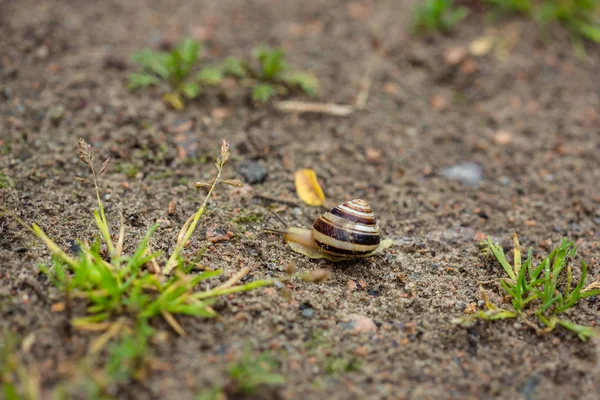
(56, 114)
(215, 234)
(468, 173)
(504, 180)
(253, 172)
(373, 155)
(359, 324)
(502, 137)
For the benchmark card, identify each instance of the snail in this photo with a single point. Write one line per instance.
(347, 232)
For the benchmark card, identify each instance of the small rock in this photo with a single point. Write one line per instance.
(164, 223)
(438, 102)
(468, 67)
(454, 55)
(390, 88)
(73, 247)
(373, 155)
(502, 137)
(468, 173)
(308, 312)
(253, 172)
(56, 114)
(504, 180)
(359, 324)
(361, 351)
(215, 234)
(42, 52)
(172, 207)
(115, 62)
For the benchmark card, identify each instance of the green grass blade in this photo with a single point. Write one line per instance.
(499, 254)
(584, 332)
(235, 289)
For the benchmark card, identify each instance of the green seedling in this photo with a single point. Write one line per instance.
(246, 377)
(174, 70)
(5, 181)
(544, 291)
(252, 372)
(437, 16)
(269, 75)
(342, 365)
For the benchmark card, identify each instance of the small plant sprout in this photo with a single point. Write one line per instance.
(269, 75)
(190, 225)
(174, 70)
(251, 372)
(437, 16)
(273, 76)
(544, 291)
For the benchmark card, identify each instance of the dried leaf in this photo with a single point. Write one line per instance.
(174, 100)
(316, 276)
(98, 344)
(308, 188)
(233, 182)
(104, 166)
(173, 322)
(83, 180)
(28, 342)
(198, 185)
(481, 46)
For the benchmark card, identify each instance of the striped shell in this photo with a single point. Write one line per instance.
(348, 230)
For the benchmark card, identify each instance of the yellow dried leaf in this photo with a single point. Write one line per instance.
(174, 100)
(481, 46)
(308, 188)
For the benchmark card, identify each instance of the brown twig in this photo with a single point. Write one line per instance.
(338, 110)
(276, 199)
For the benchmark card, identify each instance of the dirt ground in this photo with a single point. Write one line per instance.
(530, 119)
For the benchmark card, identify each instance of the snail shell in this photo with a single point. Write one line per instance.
(348, 231)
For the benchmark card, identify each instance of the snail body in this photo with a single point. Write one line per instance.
(348, 231)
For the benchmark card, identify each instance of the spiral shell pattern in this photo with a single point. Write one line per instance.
(348, 230)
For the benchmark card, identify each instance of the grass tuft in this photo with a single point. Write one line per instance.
(544, 291)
